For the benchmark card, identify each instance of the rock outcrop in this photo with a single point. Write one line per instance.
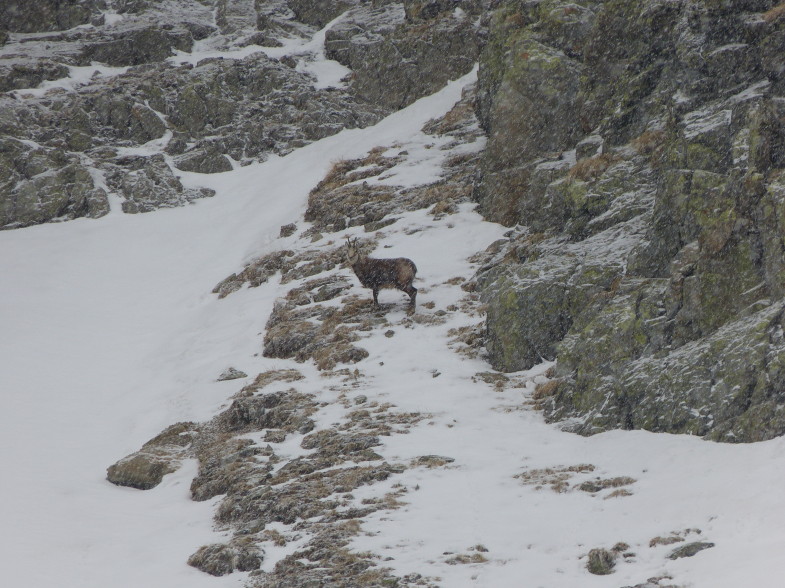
(146, 100)
(396, 57)
(639, 150)
(20, 16)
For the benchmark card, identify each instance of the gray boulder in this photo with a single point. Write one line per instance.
(161, 455)
(219, 559)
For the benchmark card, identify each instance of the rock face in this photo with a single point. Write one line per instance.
(40, 184)
(396, 58)
(638, 149)
(21, 16)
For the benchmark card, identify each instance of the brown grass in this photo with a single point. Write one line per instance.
(592, 168)
(597, 485)
(771, 15)
(556, 478)
(665, 540)
(546, 389)
(270, 376)
(648, 142)
(274, 537)
(336, 176)
(464, 558)
(341, 170)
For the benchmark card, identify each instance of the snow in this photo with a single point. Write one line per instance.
(110, 334)
(310, 54)
(78, 75)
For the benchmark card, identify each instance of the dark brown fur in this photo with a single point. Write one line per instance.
(383, 273)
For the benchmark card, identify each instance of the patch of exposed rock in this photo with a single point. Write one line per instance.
(20, 16)
(205, 117)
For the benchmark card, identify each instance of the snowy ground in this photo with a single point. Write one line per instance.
(110, 334)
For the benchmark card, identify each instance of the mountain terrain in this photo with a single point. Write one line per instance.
(590, 390)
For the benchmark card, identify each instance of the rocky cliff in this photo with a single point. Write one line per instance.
(636, 150)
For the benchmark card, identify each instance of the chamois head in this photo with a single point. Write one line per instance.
(352, 254)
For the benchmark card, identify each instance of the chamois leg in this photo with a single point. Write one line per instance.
(412, 292)
(376, 297)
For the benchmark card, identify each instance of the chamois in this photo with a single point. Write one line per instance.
(382, 273)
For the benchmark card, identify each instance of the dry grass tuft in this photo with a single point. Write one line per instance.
(497, 380)
(546, 390)
(275, 537)
(270, 376)
(665, 540)
(592, 168)
(771, 15)
(555, 478)
(649, 142)
(464, 558)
